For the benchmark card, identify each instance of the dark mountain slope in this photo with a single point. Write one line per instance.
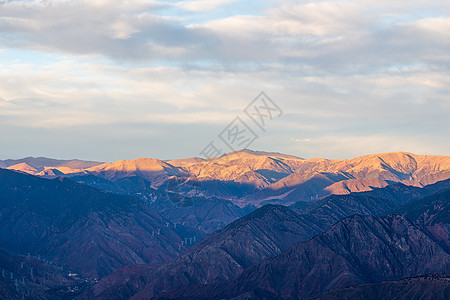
(33, 278)
(222, 255)
(432, 214)
(90, 231)
(207, 214)
(433, 287)
(354, 251)
(377, 202)
(261, 234)
(434, 209)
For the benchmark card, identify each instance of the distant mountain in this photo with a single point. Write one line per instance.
(205, 193)
(42, 162)
(47, 167)
(87, 230)
(316, 178)
(152, 170)
(23, 167)
(295, 187)
(211, 193)
(255, 177)
(354, 251)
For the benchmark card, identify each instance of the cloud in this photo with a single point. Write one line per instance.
(349, 75)
(66, 93)
(321, 36)
(300, 140)
(203, 5)
(128, 30)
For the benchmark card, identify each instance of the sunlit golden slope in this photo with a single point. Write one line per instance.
(354, 185)
(396, 166)
(267, 175)
(24, 167)
(147, 168)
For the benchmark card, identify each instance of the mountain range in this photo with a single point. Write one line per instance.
(234, 184)
(246, 225)
(263, 234)
(356, 250)
(252, 171)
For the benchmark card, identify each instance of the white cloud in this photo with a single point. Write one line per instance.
(319, 35)
(350, 75)
(300, 140)
(203, 5)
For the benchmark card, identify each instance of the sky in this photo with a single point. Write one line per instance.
(111, 80)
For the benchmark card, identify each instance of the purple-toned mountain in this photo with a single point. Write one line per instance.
(87, 230)
(431, 287)
(354, 251)
(32, 277)
(220, 256)
(94, 233)
(432, 215)
(262, 234)
(377, 202)
(206, 214)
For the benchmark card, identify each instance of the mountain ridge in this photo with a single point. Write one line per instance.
(248, 179)
(391, 166)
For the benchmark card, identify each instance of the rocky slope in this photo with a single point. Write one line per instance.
(377, 202)
(432, 287)
(289, 178)
(432, 215)
(87, 230)
(206, 214)
(222, 255)
(354, 251)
